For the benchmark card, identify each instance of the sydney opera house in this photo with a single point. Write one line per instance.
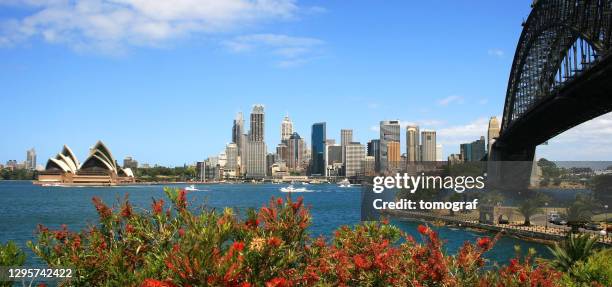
(100, 168)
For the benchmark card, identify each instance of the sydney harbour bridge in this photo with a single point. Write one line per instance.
(561, 75)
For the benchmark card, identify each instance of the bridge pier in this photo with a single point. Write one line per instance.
(509, 169)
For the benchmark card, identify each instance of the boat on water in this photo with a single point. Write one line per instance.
(191, 188)
(51, 184)
(305, 183)
(344, 183)
(291, 188)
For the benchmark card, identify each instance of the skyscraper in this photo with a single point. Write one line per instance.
(438, 152)
(318, 138)
(355, 157)
(256, 132)
(231, 153)
(374, 150)
(394, 156)
(286, 128)
(295, 148)
(492, 133)
(346, 137)
(412, 143)
(478, 149)
(428, 145)
(31, 159)
(389, 132)
(256, 151)
(237, 131)
(465, 150)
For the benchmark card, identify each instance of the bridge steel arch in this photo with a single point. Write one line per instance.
(561, 74)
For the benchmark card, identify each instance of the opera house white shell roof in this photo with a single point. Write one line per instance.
(100, 159)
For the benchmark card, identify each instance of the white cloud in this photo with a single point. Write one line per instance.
(292, 51)
(449, 100)
(453, 136)
(589, 141)
(496, 52)
(115, 24)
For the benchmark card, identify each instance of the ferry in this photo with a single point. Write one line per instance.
(191, 188)
(344, 183)
(291, 188)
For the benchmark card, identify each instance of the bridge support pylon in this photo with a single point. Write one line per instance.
(509, 169)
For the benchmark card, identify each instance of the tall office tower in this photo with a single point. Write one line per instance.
(282, 153)
(237, 131)
(355, 156)
(465, 150)
(295, 149)
(374, 150)
(256, 132)
(269, 163)
(428, 145)
(478, 149)
(231, 153)
(31, 159)
(492, 133)
(244, 140)
(438, 152)
(346, 137)
(318, 137)
(333, 154)
(389, 132)
(394, 156)
(286, 128)
(412, 143)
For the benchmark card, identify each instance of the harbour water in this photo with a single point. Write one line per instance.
(24, 206)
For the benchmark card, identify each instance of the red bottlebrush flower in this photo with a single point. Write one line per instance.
(238, 245)
(385, 221)
(103, 210)
(423, 229)
(157, 206)
(129, 228)
(278, 282)
(362, 262)
(126, 210)
(275, 241)
(156, 283)
(181, 201)
(41, 285)
(252, 223)
(484, 243)
(181, 232)
(522, 277)
(279, 201)
(245, 284)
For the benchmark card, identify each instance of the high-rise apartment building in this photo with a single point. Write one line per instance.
(478, 149)
(30, 159)
(412, 143)
(231, 154)
(465, 150)
(394, 156)
(318, 138)
(428, 145)
(492, 133)
(389, 132)
(237, 131)
(256, 151)
(355, 156)
(286, 128)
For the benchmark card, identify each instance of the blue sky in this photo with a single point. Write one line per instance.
(161, 81)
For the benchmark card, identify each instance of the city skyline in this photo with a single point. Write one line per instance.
(168, 99)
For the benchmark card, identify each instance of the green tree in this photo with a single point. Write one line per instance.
(531, 206)
(580, 211)
(10, 255)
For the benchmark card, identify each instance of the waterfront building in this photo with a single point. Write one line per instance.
(295, 148)
(389, 132)
(129, 162)
(269, 162)
(369, 165)
(412, 143)
(231, 153)
(282, 152)
(237, 131)
(374, 150)
(438, 152)
(255, 160)
(355, 155)
(428, 145)
(454, 159)
(11, 164)
(256, 132)
(30, 159)
(333, 154)
(346, 137)
(200, 170)
(318, 138)
(100, 168)
(492, 133)
(394, 156)
(286, 128)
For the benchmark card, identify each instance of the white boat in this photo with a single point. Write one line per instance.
(344, 183)
(191, 188)
(291, 188)
(305, 183)
(51, 184)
